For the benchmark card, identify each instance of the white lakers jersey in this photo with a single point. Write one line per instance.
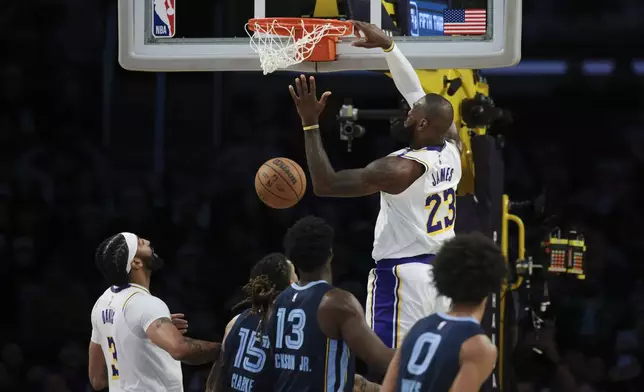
(119, 321)
(418, 220)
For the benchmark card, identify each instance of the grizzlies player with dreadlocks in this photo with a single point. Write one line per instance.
(136, 345)
(245, 348)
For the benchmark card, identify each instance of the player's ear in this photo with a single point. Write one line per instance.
(137, 263)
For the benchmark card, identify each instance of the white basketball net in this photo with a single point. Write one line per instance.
(279, 51)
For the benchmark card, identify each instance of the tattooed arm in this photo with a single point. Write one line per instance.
(151, 315)
(190, 351)
(389, 174)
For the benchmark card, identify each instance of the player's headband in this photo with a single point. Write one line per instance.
(132, 242)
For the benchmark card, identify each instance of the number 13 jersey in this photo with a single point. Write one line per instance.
(418, 220)
(305, 359)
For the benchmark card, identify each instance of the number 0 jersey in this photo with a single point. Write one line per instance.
(418, 220)
(430, 354)
(305, 359)
(120, 319)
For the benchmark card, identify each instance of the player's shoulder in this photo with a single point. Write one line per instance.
(426, 156)
(231, 324)
(408, 154)
(398, 167)
(142, 300)
(337, 300)
(455, 146)
(399, 153)
(478, 348)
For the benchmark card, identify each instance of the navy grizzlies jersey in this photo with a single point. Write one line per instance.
(246, 365)
(305, 360)
(429, 357)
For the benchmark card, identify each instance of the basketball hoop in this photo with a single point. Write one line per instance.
(282, 42)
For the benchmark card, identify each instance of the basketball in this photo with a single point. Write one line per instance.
(280, 183)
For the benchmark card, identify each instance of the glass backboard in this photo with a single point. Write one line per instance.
(207, 35)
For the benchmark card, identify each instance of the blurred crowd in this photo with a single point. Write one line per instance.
(63, 188)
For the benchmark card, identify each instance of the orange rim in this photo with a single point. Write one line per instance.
(296, 23)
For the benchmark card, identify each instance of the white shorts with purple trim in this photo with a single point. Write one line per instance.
(401, 292)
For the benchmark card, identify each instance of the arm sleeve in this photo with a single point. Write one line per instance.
(142, 310)
(404, 76)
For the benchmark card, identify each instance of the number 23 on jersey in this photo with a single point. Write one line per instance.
(436, 223)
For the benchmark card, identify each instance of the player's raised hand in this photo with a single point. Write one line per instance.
(370, 36)
(304, 94)
(179, 322)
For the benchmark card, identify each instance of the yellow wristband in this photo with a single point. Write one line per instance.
(389, 49)
(311, 127)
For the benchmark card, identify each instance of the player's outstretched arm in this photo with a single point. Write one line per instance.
(152, 315)
(389, 383)
(477, 359)
(341, 317)
(390, 174)
(402, 72)
(164, 334)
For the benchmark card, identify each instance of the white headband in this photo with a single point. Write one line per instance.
(132, 242)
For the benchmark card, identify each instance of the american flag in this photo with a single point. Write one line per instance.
(464, 22)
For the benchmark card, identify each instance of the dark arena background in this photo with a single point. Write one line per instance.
(89, 150)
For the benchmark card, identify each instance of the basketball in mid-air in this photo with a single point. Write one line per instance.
(280, 183)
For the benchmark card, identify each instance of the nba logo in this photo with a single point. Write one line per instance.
(163, 25)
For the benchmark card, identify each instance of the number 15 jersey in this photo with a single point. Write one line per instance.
(305, 359)
(418, 220)
(246, 356)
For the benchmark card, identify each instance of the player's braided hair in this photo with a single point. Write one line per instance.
(268, 278)
(309, 243)
(468, 268)
(111, 260)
